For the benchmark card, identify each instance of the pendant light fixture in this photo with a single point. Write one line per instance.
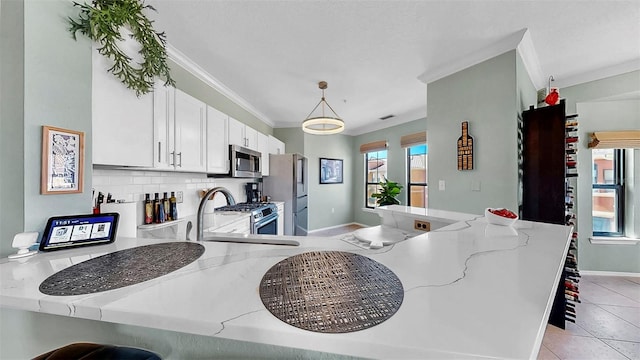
(323, 125)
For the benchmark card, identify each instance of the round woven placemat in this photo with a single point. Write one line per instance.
(331, 291)
(121, 268)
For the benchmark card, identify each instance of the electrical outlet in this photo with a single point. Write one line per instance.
(179, 197)
(422, 225)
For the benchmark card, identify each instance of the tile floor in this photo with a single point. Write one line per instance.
(608, 319)
(607, 324)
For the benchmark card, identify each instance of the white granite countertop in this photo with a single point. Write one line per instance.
(471, 290)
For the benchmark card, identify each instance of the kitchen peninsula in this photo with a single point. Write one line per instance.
(471, 289)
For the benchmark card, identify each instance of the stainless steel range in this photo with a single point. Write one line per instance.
(264, 216)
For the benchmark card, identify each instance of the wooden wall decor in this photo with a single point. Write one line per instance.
(465, 148)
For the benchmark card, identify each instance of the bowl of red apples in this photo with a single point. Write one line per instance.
(500, 216)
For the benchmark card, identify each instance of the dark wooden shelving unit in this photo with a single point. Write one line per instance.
(549, 146)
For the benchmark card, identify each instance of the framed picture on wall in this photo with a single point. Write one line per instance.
(330, 171)
(62, 161)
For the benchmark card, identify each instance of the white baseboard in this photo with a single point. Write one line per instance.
(608, 273)
(337, 226)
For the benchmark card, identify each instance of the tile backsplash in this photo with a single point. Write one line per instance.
(132, 185)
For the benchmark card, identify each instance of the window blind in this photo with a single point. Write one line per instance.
(615, 139)
(373, 146)
(418, 138)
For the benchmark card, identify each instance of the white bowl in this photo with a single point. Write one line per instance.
(497, 219)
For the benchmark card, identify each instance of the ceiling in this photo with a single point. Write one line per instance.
(272, 54)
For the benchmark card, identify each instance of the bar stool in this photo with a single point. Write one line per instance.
(90, 351)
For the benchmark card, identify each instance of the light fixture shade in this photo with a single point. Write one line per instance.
(323, 125)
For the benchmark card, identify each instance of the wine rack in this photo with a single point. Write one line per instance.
(571, 273)
(549, 168)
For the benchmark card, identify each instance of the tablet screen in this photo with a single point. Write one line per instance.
(63, 232)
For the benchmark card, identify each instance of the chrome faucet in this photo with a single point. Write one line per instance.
(203, 203)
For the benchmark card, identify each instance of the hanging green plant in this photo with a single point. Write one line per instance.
(102, 21)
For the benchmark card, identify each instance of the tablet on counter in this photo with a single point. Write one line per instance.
(64, 232)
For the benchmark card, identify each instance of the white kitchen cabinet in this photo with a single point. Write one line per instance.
(179, 131)
(191, 133)
(242, 135)
(240, 226)
(163, 126)
(217, 142)
(263, 148)
(275, 146)
(122, 123)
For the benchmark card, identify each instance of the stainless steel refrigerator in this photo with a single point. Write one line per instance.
(288, 182)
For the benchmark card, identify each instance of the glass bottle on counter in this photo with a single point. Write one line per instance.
(173, 206)
(167, 211)
(158, 207)
(148, 210)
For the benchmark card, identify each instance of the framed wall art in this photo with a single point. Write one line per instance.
(330, 171)
(62, 161)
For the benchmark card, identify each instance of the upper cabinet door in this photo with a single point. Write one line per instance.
(236, 133)
(217, 142)
(251, 136)
(122, 123)
(242, 135)
(190, 133)
(163, 126)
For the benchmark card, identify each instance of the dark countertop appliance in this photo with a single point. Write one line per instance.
(264, 216)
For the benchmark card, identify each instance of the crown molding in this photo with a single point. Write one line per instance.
(520, 41)
(531, 62)
(186, 63)
(599, 74)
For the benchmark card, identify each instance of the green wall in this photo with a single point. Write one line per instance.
(11, 123)
(57, 92)
(486, 95)
(197, 88)
(396, 166)
(292, 137)
(620, 115)
(595, 113)
(52, 87)
(329, 204)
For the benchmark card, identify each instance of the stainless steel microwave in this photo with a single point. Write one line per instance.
(245, 163)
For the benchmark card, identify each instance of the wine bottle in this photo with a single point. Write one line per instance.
(148, 210)
(156, 209)
(167, 212)
(173, 206)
